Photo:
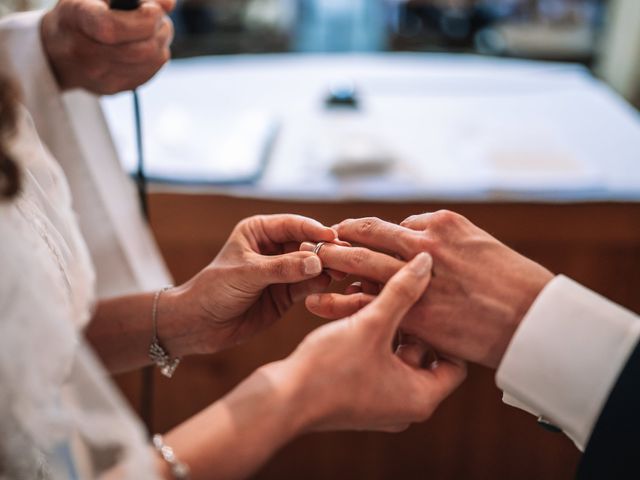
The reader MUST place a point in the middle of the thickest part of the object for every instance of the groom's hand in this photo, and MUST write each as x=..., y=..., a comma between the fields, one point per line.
x=480, y=290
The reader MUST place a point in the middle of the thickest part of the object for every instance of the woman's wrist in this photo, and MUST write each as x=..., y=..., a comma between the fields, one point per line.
x=290, y=381
x=179, y=322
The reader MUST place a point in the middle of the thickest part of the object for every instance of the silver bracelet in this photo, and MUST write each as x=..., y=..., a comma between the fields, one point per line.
x=179, y=470
x=157, y=353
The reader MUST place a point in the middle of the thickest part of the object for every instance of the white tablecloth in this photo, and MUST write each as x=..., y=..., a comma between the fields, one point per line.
x=447, y=126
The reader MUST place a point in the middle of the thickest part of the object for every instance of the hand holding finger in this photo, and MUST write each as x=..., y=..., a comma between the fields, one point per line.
x=382, y=236
x=286, y=228
x=373, y=388
x=286, y=268
x=358, y=261
x=398, y=296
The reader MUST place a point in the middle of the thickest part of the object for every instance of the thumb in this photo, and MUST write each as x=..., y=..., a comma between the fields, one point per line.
x=287, y=268
x=398, y=296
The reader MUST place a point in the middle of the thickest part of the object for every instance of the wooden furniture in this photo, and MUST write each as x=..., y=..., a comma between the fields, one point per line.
x=473, y=435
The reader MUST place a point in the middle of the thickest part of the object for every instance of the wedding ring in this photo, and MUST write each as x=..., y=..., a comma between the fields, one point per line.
x=319, y=245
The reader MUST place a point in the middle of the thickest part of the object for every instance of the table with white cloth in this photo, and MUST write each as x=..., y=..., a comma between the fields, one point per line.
x=542, y=155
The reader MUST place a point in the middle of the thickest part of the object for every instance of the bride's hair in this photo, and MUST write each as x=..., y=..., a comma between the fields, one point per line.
x=9, y=171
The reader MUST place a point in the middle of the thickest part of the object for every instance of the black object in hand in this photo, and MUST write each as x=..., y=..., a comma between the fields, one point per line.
x=124, y=4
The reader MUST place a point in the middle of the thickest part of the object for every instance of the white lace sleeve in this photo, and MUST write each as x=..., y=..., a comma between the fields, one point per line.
x=60, y=415
x=36, y=350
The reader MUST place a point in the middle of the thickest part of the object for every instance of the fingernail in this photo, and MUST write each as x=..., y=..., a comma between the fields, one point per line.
x=312, y=265
x=313, y=300
x=421, y=264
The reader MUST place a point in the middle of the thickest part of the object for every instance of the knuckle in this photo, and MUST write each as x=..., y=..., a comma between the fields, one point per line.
x=368, y=225
x=445, y=218
x=105, y=32
x=254, y=219
x=155, y=11
x=407, y=222
x=425, y=244
x=277, y=269
x=357, y=257
x=328, y=304
x=150, y=15
x=154, y=18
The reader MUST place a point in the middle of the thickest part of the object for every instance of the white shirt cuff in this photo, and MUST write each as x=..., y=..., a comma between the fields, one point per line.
x=566, y=355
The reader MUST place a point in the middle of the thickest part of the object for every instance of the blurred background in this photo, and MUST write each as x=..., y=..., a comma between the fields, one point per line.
x=519, y=114
x=595, y=33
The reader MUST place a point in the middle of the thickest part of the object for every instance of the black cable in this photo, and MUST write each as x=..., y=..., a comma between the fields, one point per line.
x=148, y=373
x=141, y=179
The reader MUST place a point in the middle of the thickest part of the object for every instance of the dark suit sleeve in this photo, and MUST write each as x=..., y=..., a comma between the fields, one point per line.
x=613, y=451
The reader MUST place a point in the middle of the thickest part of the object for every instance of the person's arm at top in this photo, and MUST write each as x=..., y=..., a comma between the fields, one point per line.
x=106, y=51
x=83, y=44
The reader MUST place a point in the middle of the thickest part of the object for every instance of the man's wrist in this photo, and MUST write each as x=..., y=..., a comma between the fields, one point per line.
x=522, y=304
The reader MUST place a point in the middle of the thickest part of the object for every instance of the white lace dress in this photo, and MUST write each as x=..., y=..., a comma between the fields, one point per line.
x=60, y=415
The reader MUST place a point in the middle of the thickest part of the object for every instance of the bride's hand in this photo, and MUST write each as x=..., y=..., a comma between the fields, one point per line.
x=342, y=376
x=254, y=280
x=346, y=375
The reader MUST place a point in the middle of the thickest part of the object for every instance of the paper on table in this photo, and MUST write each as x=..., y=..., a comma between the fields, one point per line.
x=183, y=144
x=525, y=157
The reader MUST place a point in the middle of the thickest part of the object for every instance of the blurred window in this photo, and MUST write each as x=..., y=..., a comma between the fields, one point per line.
x=545, y=29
